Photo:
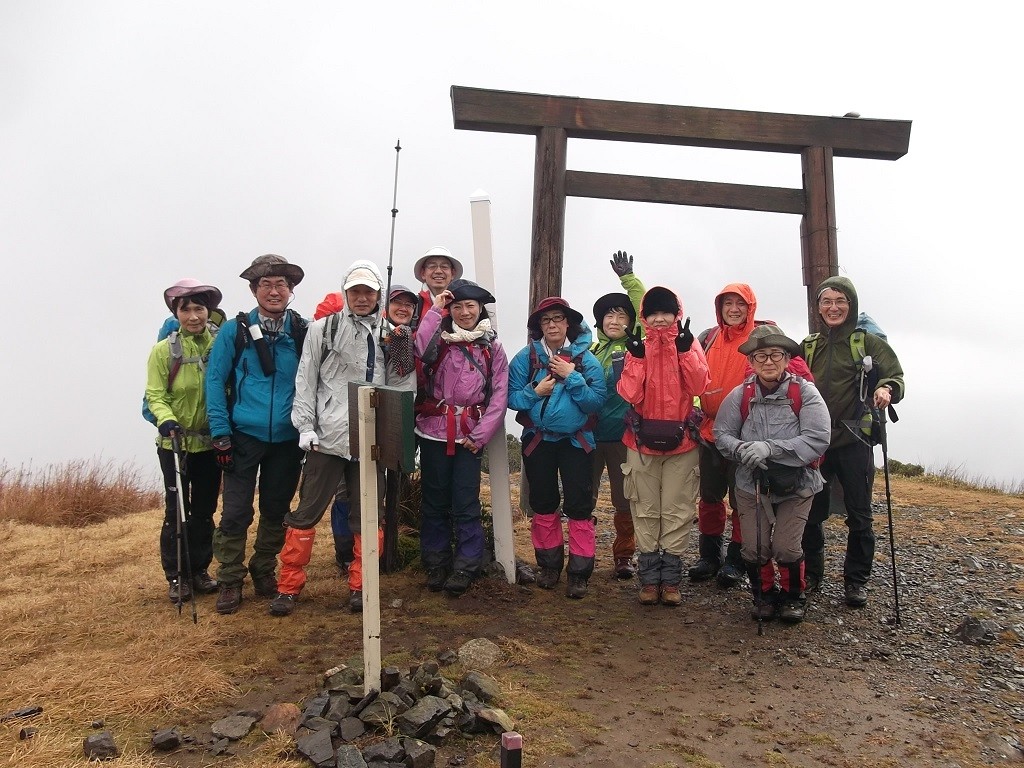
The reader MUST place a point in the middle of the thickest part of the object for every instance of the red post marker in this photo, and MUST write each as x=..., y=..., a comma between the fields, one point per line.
x=511, y=750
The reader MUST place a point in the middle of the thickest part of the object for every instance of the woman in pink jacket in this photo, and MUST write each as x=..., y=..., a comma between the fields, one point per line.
x=662, y=375
x=461, y=407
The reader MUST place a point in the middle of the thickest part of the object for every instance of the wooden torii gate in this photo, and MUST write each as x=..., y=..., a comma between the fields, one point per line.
x=555, y=119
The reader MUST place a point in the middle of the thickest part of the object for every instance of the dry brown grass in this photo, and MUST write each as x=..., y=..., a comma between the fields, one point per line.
x=76, y=493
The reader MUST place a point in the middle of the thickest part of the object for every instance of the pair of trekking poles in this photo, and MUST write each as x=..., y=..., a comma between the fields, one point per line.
x=181, y=533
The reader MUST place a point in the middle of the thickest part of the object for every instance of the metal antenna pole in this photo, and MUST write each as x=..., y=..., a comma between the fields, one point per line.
x=394, y=217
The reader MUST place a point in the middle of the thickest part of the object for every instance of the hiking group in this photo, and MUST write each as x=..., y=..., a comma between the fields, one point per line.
x=740, y=424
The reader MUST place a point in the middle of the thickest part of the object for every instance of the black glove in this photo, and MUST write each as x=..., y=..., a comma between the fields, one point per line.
x=622, y=263
x=225, y=457
x=634, y=344
x=169, y=427
x=685, y=338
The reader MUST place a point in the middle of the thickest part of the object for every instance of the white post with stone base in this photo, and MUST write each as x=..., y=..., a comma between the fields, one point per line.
x=369, y=523
x=497, y=447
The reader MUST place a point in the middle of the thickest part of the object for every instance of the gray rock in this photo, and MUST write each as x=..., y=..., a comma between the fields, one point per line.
x=233, y=727
x=499, y=721
x=27, y=732
x=321, y=724
x=220, y=747
x=1007, y=747
x=339, y=707
x=100, y=746
x=447, y=658
x=363, y=703
x=18, y=714
x=351, y=728
x=977, y=631
x=486, y=689
x=423, y=716
x=166, y=740
x=407, y=691
x=480, y=653
x=383, y=710
x=339, y=677
x=317, y=747
x=388, y=751
x=316, y=706
x=350, y=757
x=419, y=754
x=389, y=678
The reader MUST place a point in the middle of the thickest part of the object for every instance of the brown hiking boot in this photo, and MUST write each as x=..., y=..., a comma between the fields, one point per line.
x=649, y=594
x=229, y=599
x=204, y=584
x=265, y=585
x=671, y=596
x=577, y=588
x=624, y=568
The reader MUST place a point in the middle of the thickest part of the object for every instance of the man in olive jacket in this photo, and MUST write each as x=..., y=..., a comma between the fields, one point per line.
x=850, y=461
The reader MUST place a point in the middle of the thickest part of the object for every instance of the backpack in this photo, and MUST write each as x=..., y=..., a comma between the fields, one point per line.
x=523, y=417
x=243, y=337
x=176, y=357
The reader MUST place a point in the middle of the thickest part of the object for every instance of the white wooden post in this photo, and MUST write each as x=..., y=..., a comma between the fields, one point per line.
x=370, y=551
x=497, y=448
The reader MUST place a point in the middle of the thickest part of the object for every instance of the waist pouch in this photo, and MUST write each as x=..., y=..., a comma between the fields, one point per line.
x=660, y=434
x=780, y=479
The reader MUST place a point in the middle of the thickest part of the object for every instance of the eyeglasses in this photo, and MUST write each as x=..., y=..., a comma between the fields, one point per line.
x=406, y=304
x=763, y=357
x=272, y=285
x=432, y=266
x=826, y=303
x=552, y=319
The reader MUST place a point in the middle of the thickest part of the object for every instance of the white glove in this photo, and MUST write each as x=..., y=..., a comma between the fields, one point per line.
x=754, y=454
x=307, y=440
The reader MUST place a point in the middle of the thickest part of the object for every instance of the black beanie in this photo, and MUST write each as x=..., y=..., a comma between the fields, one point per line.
x=659, y=299
x=613, y=301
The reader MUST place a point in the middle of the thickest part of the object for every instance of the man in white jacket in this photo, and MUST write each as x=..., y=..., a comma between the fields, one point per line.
x=340, y=348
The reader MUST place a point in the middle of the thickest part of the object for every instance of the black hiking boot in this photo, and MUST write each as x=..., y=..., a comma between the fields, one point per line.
x=182, y=591
x=856, y=595
x=548, y=578
x=731, y=573
x=710, y=550
x=204, y=584
x=436, y=578
x=458, y=583
x=576, y=588
x=765, y=605
x=283, y=604
x=229, y=599
x=355, y=601
x=265, y=585
x=792, y=609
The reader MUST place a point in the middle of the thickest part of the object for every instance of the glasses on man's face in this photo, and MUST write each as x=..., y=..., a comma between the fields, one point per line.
x=552, y=319
x=826, y=303
x=764, y=357
x=433, y=266
x=272, y=285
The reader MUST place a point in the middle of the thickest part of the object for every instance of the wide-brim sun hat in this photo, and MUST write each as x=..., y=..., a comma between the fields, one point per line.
x=552, y=302
x=437, y=250
x=463, y=290
x=272, y=265
x=765, y=336
x=191, y=287
x=613, y=301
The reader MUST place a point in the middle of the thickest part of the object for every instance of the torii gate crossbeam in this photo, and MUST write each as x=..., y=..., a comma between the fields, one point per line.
x=555, y=119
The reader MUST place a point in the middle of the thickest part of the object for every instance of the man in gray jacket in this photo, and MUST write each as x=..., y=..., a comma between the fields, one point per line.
x=775, y=426
x=341, y=348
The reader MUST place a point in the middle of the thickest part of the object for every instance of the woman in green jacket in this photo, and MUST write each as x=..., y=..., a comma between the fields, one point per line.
x=175, y=394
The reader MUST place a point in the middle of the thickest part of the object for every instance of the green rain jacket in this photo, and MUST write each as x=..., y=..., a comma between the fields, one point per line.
x=610, y=419
x=186, y=402
x=837, y=373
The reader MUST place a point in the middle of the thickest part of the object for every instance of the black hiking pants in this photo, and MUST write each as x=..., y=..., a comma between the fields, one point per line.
x=201, y=484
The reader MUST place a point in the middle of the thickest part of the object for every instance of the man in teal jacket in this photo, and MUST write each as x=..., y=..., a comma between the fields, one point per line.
x=614, y=314
x=250, y=385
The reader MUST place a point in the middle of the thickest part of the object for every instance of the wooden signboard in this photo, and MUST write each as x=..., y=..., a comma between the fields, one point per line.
x=394, y=445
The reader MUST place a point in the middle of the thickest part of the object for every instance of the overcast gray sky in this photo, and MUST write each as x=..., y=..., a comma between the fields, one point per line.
x=142, y=142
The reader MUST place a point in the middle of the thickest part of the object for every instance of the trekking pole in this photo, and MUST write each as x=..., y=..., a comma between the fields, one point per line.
x=182, y=528
x=758, y=597
x=888, y=505
x=394, y=217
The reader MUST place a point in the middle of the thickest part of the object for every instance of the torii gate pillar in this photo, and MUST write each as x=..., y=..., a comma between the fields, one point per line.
x=555, y=119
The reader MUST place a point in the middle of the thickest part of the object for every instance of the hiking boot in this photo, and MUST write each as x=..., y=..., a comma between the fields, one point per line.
x=703, y=569
x=229, y=599
x=710, y=550
x=576, y=588
x=174, y=591
x=766, y=610
x=265, y=585
x=457, y=584
x=548, y=578
x=355, y=601
x=204, y=584
x=436, y=578
x=283, y=604
x=671, y=596
x=792, y=610
x=729, y=575
x=856, y=595
x=813, y=582
x=624, y=568
x=649, y=594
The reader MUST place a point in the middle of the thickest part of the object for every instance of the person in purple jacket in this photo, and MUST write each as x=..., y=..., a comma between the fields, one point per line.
x=459, y=410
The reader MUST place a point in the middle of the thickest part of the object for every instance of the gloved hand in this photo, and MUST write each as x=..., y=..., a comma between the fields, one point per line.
x=167, y=428
x=685, y=338
x=754, y=454
x=634, y=344
x=308, y=440
x=224, y=455
x=622, y=263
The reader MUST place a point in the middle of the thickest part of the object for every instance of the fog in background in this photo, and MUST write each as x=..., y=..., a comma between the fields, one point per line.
x=143, y=142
